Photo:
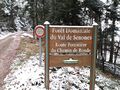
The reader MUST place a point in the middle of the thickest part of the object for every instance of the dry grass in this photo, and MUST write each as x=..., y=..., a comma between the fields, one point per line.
x=28, y=47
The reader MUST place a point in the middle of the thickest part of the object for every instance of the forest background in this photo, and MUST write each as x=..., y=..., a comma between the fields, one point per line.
x=24, y=15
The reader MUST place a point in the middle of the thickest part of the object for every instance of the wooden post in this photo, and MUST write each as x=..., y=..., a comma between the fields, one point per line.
x=47, y=56
x=93, y=63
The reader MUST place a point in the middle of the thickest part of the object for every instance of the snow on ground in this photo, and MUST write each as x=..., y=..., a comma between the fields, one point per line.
x=26, y=34
x=29, y=75
x=4, y=34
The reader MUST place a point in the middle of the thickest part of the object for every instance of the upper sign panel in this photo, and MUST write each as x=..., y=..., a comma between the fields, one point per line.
x=70, y=42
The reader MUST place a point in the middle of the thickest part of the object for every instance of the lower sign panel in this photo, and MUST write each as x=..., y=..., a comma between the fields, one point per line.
x=60, y=61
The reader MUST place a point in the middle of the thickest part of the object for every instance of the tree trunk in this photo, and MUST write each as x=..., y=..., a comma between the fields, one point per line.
x=11, y=18
x=112, y=43
x=116, y=54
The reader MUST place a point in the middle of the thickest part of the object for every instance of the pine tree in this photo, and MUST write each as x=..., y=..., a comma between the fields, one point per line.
x=95, y=12
x=113, y=16
x=2, y=14
x=64, y=12
x=11, y=13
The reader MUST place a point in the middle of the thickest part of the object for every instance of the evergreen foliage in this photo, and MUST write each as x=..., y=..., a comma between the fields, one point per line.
x=65, y=12
x=69, y=12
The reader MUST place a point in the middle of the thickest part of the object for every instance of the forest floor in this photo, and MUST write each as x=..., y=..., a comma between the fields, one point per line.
x=8, y=49
x=21, y=69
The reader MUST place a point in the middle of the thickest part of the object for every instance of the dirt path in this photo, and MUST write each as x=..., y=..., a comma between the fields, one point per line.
x=8, y=48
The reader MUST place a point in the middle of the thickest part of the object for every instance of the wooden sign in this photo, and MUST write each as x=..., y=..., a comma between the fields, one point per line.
x=70, y=46
x=68, y=43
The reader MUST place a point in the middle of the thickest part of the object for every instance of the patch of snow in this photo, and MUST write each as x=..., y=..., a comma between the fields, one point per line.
x=27, y=35
x=29, y=75
x=4, y=34
x=22, y=24
x=108, y=56
x=81, y=0
x=104, y=1
x=117, y=23
x=107, y=1
x=117, y=38
x=21, y=3
x=18, y=23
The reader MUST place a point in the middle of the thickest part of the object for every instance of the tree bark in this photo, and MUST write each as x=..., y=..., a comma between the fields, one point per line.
x=112, y=42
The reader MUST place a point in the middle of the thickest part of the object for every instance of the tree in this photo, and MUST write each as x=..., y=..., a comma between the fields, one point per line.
x=65, y=12
x=113, y=16
x=38, y=10
x=117, y=48
x=96, y=12
x=10, y=12
x=1, y=11
x=16, y=13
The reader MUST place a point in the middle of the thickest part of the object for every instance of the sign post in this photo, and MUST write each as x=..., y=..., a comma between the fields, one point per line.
x=40, y=43
x=46, y=57
x=92, y=70
x=40, y=32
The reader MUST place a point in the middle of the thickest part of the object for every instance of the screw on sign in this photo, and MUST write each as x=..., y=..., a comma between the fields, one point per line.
x=39, y=31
